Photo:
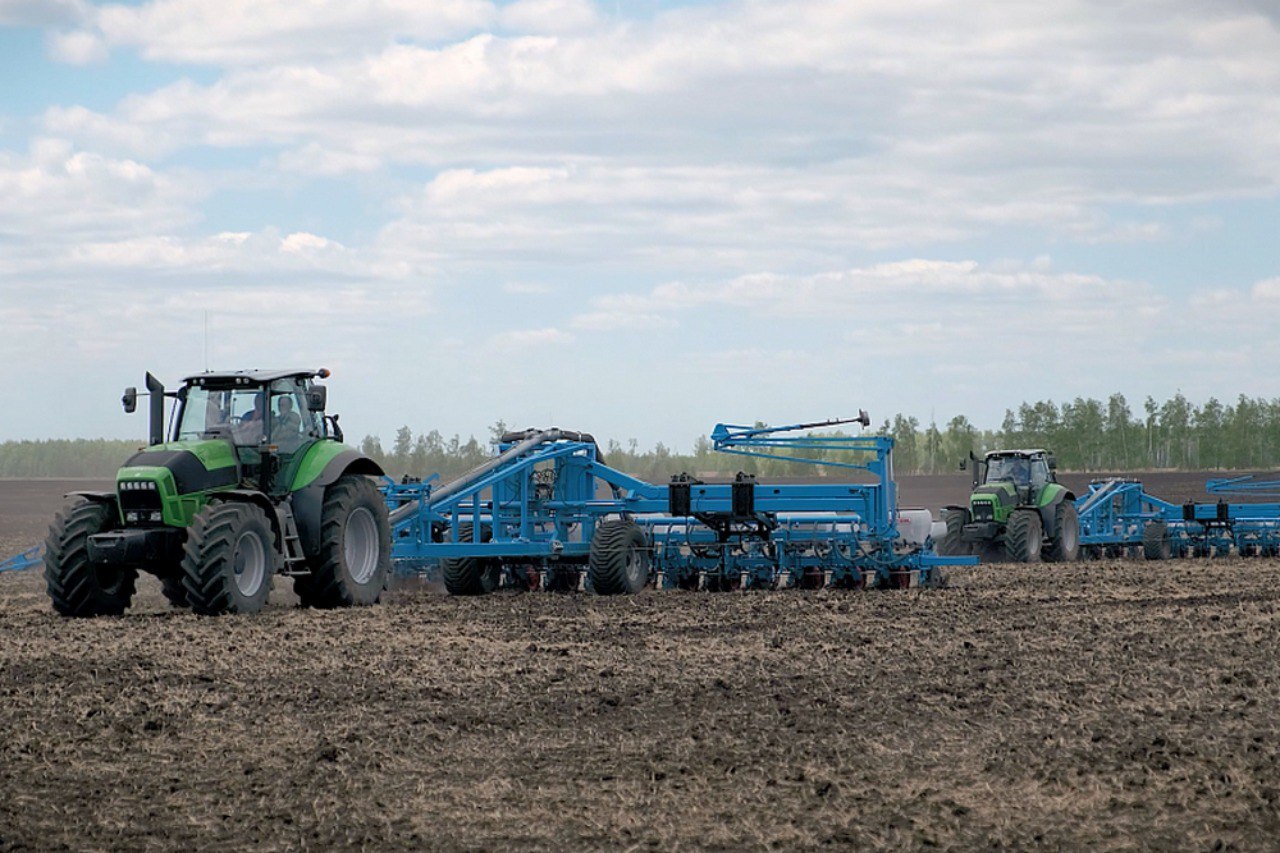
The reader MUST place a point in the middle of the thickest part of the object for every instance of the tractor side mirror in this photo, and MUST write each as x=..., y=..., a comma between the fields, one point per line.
x=130, y=400
x=317, y=398
x=964, y=465
x=1053, y=463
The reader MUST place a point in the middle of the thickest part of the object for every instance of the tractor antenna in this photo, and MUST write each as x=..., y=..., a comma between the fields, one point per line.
x=206, y=341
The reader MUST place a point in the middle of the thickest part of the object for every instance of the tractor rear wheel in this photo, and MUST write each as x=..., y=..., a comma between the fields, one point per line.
x=77, y=586
x=471, y=575
x=953, y=544
x=619, y=560
x=229, y=559
x=354, y=561
x=1024, y=536
x=1064, y=547
x=1155, y=541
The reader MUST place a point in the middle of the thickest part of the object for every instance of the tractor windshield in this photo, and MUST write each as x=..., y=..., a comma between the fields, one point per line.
x=238, y=414
x=1009, y=469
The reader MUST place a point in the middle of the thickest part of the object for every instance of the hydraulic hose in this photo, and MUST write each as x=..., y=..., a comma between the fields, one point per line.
x=524, y=442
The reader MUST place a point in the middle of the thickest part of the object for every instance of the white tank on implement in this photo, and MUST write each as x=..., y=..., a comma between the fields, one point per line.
x=916, y=525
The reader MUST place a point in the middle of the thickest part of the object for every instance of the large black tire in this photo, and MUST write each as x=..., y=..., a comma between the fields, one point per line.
x=471, y=575
x=1155, y=541
x=354, y=561
x=77, y=586
x=229, y=559
x=953, y=544
x=619, y=559
x=174, y=591
x=1024, y=536
x=1064, y=547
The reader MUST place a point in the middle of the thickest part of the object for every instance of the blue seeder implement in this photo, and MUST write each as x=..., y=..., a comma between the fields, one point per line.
x=547, y=510
x=1117, y=517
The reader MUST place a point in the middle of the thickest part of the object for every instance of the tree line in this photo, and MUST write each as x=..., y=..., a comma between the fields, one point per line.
x=1085, y=434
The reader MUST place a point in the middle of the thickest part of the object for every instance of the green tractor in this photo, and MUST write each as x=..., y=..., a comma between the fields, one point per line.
x=254, y=482
x=1018, y=511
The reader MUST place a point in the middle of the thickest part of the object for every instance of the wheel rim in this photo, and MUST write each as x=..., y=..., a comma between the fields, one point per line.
x=637, y=572
x=1070, y=537
x=361, y=546
x=249, y=563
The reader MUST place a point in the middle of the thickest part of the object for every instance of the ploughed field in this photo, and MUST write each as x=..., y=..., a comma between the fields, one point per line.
x=1107, y=703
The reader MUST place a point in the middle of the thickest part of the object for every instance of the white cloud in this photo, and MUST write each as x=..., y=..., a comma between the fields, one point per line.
x=548, y=16
x=1267, y=289
x=44, y=12
x=905, y=296
x=77, y=48
x=830, y=124
x=232, y=32
x=56, y=193
x=522, y=339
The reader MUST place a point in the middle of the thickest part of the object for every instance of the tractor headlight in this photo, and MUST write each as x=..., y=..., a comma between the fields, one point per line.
x=131, y=516
x=157, y=516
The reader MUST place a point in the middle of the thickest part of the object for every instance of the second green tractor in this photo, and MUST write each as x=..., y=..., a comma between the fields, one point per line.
x=1018, y=511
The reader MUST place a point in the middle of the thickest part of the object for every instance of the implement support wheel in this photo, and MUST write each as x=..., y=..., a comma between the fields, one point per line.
x=1155, y=541
x=471, y=575
x=619, y=560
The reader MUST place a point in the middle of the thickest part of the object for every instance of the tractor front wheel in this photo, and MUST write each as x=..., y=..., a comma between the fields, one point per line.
x=1024, y=536
x=77, y=586
x=229, y=559
x=175, y=593
x=354, y=560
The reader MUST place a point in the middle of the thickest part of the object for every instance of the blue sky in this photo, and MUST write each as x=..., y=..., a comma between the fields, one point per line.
x=638, y=219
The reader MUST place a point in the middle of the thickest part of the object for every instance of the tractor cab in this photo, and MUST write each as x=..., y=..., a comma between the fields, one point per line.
x=271, y=418
x=1028, y=471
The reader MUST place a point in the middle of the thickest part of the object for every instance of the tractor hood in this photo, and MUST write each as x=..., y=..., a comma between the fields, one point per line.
x=1005, y=494
x=196, y=466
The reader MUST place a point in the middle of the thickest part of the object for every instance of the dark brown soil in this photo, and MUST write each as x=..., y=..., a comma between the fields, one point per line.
x=1113, y=704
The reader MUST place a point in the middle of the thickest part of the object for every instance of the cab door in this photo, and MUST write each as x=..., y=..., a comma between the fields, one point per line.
x=293, y=429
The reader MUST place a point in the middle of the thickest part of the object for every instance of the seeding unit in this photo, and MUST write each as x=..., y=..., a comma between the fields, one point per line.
x=547, y=509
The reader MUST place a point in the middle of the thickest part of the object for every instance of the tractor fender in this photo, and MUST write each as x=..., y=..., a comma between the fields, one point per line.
x=108, y=498
x=308, y=502
x=260, y=500
x=1049, y=511
x=95, y=497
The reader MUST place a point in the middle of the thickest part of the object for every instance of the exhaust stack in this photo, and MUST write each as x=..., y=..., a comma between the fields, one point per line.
x=156, y=390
